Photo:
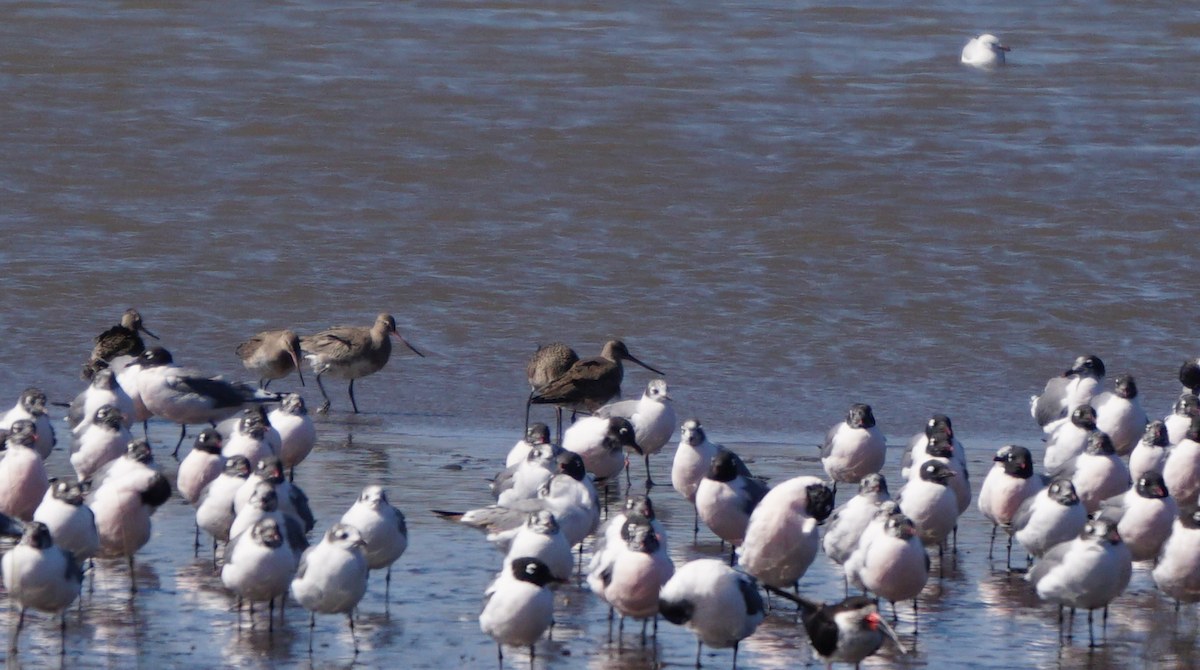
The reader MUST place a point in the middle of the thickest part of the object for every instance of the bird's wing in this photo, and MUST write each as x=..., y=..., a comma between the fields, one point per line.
x=754, y=489
x=1064, y=471
x=1049, y=561
x=246, y=349
x=504, y=480
x=294, y=533
x=1024, y=513
x=303, y=566
x=73, y=573
x=300, y=502
x=624, y=408
x=333, y=343
x=75, y=411
x=750, y=594
x=223, y=393
x=400, y=523
x=1049, y=405
x=1112, y=509
x=232, y=544
x=828, y=448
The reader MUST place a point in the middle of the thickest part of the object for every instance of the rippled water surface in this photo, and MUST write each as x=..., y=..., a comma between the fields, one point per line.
x=787, y=207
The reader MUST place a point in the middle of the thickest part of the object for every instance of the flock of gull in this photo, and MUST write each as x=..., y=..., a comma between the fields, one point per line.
x=1113, y=488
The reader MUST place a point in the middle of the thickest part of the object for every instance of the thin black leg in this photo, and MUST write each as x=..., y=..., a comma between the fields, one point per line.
x=649, y=479
x=182, y=436
x=324, y=406
x=350, y=618
x=352, y=402
x=992, y=542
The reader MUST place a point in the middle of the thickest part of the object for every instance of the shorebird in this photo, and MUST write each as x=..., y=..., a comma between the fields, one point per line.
x=546, y=365
x=1098, y=473
x=129, y=492
x=201, y=466
x=185, y=397
x=383, y=530
x=1009, y=483
x=518, y=606
x=272, y=354
x=855, y=447
x=23, y=479
x=1179, y=420
x=1150, y=454
x=535, y=435
x=297, y=434
x=652, y=417
x=332, y=577
x=720, y=605
x=847, y=523
x=693, y=458
x=726, y=497
x=31, y=406
x=1177, y=572
x=602, y=444
x=984, y=51
x=541, y=538
x=264, y=504
x=104, y=390
x=1070, y=438
x=259, y=565
x=1143, y=515
x=214, y=512
x=1119, y=413
x=120, y=340
x=101, y=442
x=930, y=503
x=782, y=538
x=589, y=384
x=1063, y=394
x=845, y=632
x=71, y=523
x=891, y=563
x=39, y=575
x=630, y=580
x=1049, y=517
x=522, y=481
x=1087, y=572
x=351, y=352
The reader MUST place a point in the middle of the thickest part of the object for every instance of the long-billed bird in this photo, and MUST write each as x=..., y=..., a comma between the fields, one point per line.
x=351, y=352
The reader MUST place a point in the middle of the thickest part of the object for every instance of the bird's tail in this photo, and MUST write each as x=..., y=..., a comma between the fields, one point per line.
x=448, y=516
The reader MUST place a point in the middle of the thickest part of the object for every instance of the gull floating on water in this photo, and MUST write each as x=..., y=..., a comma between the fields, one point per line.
x=984, y=51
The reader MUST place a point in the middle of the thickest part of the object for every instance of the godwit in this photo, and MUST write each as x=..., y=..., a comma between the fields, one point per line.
x=546, y=365
x=272, y=355
x=120, y=340
x=351, y=352
x=590, y=383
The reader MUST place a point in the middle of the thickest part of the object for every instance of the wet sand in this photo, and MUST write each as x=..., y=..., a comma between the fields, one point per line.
x=972, y=614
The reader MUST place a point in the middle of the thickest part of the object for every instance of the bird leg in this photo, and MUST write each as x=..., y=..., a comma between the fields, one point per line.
x=992, y=542
x=182, y=435
x=132, y=581
x=352, y=403
x=12, y=643
x=500, y=654
x=1091, y=636
x=699, y=644
x=350, y=618
x=387, y=584
x=696, y=524
x=735, y=648
x=644, y=623
x=1008, y=555
x=312, y=623
x=649, y=480
x=916, y=630
x=196, y=548
x=271, y=617
x=324, y=406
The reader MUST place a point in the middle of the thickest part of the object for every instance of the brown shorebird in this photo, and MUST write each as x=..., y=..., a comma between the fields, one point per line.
x=351, y=352
x=547, y=364
x=120, y=340
x=272, y=355
x=590, y=383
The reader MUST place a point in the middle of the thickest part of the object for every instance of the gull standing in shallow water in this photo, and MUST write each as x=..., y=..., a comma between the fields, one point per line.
x=297, y=434
x=518, y=606
x=1063, y=394
x=351, y=352
x=984, y=51
x=1119, y=413
x=1049, y=517
x=71, y=523
x=332, y=577
x=727, y=496
x=40, y=575
x=652, y=417
x=847, y=523
x=383, y=530
x=720, y=605
x=855, y=447
x=273, y=354
x=1087, y=572
x=104, y=390
x=782, y=538
x=1009, y=483
x=23, y=479
x=1178, y=570
x=259, y=566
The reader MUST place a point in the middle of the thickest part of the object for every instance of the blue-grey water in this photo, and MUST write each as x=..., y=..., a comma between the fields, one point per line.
x=786, y=206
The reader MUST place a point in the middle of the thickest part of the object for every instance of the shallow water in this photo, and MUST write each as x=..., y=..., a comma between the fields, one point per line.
x=788, y=207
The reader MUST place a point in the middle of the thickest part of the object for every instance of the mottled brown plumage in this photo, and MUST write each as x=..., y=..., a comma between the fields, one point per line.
x=272, y=355
x=351, y=352
x=549, y=363
x=589, y=383
x=120, y=340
